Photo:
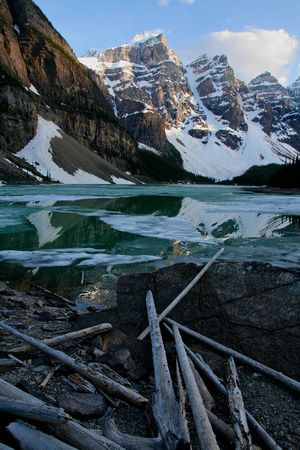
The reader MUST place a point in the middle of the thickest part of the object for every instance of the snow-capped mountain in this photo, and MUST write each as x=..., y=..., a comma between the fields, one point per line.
x=220, y=125
x=147, y=86
x=294, y=91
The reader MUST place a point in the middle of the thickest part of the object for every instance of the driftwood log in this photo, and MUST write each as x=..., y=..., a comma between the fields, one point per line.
x=260, y=431
x=42, y=413
x=5, y=447
x=183, y=293
x=102, y=382
x=207, y=398
x=30, y=438
x=71, y=431
x=166, y=410
x=278, y=376
x=130, y=442
x=182, y=396
x=237, y=408
x=81, y=334
x=206, y=435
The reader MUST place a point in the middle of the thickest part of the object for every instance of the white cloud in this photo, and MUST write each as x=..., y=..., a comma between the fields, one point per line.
x=250, y=52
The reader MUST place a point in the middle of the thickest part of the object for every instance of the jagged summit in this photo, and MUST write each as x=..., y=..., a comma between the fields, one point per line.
x=218, y=88
x=147, y=86
x=146, y=48
x=143, y=37
x=267, y=87
x=92, y=53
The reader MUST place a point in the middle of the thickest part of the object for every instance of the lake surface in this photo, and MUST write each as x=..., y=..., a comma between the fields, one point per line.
x=77, y=240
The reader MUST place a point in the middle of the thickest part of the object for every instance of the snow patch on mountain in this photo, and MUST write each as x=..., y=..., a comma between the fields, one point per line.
x=38, y=152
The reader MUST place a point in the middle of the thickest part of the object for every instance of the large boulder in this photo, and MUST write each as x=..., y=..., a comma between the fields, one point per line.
x=249, y=306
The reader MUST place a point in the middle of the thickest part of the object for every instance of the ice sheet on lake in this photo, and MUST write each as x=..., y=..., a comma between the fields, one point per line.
x=69, y=256
x=161, y=227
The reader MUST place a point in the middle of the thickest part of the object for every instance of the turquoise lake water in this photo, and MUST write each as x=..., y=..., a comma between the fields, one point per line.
x=77, y=240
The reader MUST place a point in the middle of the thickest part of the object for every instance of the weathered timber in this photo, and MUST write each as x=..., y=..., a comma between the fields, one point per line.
x=206, y=435
x=182, y=397
x=221, y=428
x=19, y=361
x=130, y=442
x=284, y=379
x=42, y=413
x=205, y=394
x=237, y=408
x=48, y=378
x=169, y=420
x=81, y=334
x=183, y=293
x=5, y=447
x=260, y=431
x=30, y=438
x=71, y=431
x=101, y=381
x=80, y=384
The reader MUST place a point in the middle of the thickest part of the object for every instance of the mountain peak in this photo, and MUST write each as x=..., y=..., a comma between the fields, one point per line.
x=267, y=87
x=92, y=53
x=265, y=77
x=145, y=36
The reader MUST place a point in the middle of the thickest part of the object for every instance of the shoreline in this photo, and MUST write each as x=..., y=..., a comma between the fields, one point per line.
x=272, y=190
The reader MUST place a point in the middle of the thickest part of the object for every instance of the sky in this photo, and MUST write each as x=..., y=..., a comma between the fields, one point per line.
x=256, y=35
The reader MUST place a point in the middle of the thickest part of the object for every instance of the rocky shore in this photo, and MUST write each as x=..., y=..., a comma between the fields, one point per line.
x=251, y=307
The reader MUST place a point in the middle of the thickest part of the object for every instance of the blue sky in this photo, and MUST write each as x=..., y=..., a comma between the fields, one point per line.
x=256, y=35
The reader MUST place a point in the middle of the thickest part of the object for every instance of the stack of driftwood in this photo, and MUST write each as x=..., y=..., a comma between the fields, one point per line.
x=39, y=425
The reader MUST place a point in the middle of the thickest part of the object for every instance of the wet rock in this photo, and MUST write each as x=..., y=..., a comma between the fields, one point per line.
x=119, y=350
x=83, y=406
x=35, y=392
x=44, y=316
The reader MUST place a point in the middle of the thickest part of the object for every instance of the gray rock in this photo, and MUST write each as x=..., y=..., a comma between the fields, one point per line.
x=251, y=307
x=82, y=405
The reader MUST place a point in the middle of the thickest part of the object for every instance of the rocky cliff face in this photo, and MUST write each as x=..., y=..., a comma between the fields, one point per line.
x=219, y=124
x=273, y=108
x=41, y=75
x=218, y=89
x=147, y=86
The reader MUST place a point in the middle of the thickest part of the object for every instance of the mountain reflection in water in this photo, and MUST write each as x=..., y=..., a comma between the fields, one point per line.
x=59, y=236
